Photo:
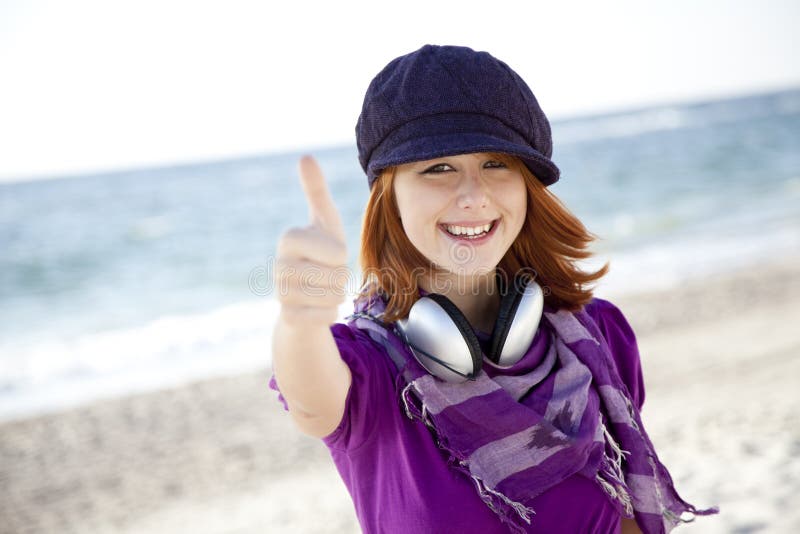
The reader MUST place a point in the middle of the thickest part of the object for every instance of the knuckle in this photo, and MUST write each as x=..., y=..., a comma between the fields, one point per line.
x=284, y=268
x=291, y=239
x=289, y=235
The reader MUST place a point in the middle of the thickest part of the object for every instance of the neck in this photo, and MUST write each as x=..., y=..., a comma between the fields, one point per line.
x=476, y=297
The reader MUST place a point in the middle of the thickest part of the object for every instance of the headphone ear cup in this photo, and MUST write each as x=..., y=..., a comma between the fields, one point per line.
x=505, y=318
x=463, y=326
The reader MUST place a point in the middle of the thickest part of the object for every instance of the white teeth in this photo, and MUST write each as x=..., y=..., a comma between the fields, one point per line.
x=469, y=231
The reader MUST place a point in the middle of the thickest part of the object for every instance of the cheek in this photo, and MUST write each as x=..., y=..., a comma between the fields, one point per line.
x=405, y=207
x=418, y=220
x=517, y=202
x=418, y=208
x=523, y=204
x=411, y=216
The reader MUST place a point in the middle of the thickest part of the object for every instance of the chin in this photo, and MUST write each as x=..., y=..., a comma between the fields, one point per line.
x=470, y=271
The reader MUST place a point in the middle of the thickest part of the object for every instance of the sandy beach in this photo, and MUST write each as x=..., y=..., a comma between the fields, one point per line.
x=721, y=358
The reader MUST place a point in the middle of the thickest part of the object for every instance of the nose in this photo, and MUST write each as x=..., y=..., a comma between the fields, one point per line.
x=472, y=191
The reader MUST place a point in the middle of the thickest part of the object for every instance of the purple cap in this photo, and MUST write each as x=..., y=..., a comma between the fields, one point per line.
x=449, y=100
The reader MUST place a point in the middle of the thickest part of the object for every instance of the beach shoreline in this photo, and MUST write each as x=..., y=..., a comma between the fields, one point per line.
x=720, y=362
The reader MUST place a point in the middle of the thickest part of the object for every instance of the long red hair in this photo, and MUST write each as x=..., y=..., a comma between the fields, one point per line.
x=548, y=246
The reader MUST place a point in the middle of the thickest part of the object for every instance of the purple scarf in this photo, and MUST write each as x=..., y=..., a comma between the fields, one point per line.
x=517, y=436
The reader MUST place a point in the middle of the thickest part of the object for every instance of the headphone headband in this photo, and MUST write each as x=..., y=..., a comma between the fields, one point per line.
x=444, y=343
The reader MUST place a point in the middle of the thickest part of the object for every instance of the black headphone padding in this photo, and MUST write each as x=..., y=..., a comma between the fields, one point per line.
x=464, y=327
x=505, y=315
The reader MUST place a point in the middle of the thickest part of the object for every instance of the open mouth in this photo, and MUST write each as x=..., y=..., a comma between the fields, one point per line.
x=470, y=233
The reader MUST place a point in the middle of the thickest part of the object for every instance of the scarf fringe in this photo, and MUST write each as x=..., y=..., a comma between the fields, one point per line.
x=493, y=498
x=617, y=492
x=617, y=453
x=610, y=476
x=672, y=517
x=408, y=404
x=486, y=493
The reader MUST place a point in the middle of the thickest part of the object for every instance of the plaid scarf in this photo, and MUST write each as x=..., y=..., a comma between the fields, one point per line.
x=571, y=414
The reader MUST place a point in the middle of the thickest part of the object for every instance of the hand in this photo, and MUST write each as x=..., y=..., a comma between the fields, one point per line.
x=310, y=269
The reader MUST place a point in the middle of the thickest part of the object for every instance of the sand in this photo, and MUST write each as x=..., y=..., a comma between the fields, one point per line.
x=721, y=358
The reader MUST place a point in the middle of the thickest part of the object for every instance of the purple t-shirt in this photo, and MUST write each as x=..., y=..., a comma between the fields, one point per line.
x=398, y=477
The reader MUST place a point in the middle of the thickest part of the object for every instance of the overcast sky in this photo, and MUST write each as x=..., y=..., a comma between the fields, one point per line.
x=96, y=85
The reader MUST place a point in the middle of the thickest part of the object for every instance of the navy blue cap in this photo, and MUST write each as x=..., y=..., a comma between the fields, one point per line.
x=448, y=100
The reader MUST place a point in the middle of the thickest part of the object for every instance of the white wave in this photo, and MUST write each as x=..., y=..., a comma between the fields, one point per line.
x=151, y=228
x=624, y=125
x=662, y=118
x=669, y=263
x=170, y=350
x=53, y=374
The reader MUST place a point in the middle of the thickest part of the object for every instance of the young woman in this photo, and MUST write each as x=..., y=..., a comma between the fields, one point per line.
x=478, y=386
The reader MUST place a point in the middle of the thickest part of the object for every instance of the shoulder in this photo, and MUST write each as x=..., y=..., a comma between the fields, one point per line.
x=359, y=351
x=610, y=318
x=621, y=339
x=371, y=387
x=346, y=336
x=354, y=343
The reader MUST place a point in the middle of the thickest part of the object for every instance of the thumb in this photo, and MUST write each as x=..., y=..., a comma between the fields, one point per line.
x=321, y=208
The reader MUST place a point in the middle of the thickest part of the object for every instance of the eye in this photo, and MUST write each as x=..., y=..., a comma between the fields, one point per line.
x=438, y=168
x=495, y=165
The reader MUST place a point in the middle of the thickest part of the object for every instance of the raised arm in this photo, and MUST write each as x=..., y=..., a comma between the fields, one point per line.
x=310, y=276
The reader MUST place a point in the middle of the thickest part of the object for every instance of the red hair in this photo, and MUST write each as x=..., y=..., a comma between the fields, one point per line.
x=548, y=246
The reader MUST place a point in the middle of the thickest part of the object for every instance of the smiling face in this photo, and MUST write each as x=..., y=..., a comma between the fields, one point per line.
x=461, y=212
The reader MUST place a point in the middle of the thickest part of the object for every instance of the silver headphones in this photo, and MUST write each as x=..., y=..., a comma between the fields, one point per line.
x=444, y=343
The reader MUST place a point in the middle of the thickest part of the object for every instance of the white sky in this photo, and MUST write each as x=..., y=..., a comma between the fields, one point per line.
x=97, y=85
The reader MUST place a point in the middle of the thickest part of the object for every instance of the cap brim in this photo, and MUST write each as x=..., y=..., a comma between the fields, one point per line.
x=453, y=144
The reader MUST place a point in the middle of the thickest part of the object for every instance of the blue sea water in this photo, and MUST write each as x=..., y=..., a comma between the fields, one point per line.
x=128, y=281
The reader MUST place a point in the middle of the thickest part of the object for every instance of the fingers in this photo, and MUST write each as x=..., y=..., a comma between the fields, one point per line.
x=310, y=300
x=311, y=272
x=312, y=244
x=322, y=210
x=308, y=293
x=312, y=280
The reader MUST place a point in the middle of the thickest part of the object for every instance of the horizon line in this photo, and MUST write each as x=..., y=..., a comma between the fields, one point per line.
x=337, y=145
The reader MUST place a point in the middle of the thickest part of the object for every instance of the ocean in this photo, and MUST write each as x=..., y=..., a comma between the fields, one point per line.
x=128, y=281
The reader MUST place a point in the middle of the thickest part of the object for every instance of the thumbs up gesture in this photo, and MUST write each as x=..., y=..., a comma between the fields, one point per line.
x=311, y=265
